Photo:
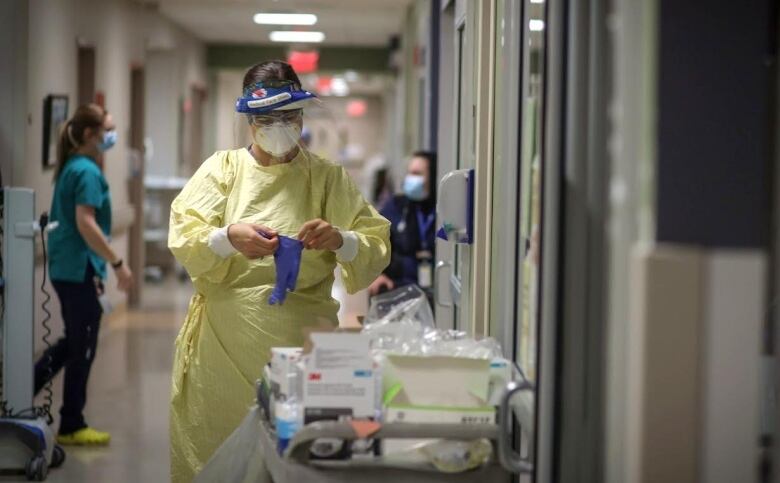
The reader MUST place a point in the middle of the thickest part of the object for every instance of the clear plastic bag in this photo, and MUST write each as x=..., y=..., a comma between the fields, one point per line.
x=401, y=322
x=450, y=456
x=409, y=302
x=446, y=455
x=397, y=320
x=239, y=459
x=458, y=344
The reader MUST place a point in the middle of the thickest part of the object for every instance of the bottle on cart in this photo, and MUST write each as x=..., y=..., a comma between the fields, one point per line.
x=287, y=422
x=288, y=415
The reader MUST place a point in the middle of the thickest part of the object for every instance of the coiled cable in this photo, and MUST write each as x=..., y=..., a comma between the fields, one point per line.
x=43, y=411
x=46, y=409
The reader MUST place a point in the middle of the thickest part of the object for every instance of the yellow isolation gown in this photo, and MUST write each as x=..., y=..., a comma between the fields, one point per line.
x=230, y=327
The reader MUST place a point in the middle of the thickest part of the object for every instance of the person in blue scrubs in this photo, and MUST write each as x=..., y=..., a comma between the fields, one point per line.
x=78, y=251
x=412, y=215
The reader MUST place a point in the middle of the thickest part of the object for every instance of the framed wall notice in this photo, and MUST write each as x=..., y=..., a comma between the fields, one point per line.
x=55, y=113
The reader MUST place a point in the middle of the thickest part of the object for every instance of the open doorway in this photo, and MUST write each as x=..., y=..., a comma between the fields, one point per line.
x=86, y=74
x=136, y=182
x=192, y=145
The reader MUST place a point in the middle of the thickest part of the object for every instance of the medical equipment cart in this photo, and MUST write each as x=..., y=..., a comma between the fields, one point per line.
x=295, y=465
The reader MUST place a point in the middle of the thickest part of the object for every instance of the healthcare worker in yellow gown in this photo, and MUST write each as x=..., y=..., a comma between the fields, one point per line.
x=224, y=230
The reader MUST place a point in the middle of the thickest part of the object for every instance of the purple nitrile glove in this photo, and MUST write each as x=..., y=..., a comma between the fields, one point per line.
x=288, y=264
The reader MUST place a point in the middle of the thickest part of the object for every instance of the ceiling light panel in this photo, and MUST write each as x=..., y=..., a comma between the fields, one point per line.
x=287, y=36
x=285, y=19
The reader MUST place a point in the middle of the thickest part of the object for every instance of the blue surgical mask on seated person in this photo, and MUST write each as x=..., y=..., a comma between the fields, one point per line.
x=109, y=139
x=414, y=187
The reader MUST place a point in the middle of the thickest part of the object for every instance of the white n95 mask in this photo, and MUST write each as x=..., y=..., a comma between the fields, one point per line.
x=278, y=139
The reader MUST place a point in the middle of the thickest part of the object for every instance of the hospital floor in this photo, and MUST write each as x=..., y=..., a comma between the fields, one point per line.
x=130, y=387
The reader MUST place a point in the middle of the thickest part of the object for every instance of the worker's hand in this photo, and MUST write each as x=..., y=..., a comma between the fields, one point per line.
x=247, y=239
x=320, y=235
x=382, y=281
x=124, y=278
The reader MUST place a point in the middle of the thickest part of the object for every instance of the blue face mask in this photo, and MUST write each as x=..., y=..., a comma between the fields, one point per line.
x=109, y=139
x=414, y=187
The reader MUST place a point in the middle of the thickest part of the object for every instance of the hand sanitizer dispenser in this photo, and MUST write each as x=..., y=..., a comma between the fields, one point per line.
x=455, y=206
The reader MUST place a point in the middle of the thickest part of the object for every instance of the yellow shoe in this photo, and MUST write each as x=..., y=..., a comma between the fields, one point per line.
x=85, y=437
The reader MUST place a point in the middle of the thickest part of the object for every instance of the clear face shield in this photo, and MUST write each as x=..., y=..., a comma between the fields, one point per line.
x=274, y=122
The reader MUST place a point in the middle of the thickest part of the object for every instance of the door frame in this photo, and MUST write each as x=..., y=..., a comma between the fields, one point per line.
x=552, y=149
x=583, y=273
x=505, y=239
x=774, y=264
x=483, y=127
x=447, y=123
x=452, y=272
x=460, y=281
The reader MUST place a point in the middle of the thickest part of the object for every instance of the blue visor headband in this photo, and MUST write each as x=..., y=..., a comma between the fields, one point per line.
x=260, y=99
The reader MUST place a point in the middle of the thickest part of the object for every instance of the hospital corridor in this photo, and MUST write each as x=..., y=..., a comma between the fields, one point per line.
x=429, y=241
x=131, y=389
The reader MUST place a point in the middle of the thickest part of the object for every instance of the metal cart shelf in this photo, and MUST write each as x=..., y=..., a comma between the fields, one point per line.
x=250, y=453
x=295, y=465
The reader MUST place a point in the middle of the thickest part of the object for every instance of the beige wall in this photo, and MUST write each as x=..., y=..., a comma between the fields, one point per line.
x=409, y=116
x=228, y=88
x=693, y=360
x=122, y=33
x=175, y=63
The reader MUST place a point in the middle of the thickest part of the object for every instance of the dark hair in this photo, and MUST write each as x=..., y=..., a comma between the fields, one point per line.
x=432, y=172
x=72, y=134
x=271, y=70
x=382, y=182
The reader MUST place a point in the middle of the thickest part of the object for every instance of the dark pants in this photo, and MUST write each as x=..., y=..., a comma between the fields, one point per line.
x=81, y=312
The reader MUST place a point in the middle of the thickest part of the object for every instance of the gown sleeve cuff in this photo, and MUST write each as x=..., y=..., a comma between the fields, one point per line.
x=349, y=248
x=219, y=243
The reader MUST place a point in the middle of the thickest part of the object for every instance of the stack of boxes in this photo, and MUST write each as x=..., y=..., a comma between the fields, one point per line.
x=336, y=378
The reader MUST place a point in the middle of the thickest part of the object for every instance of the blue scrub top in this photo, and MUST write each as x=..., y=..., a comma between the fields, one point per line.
x=80, y=183
x=406, y=237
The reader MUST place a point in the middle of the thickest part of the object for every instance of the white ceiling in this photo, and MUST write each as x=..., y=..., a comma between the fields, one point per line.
x=344, y=22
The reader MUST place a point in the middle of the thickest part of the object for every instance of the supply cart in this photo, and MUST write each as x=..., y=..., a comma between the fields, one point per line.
x=255, y=442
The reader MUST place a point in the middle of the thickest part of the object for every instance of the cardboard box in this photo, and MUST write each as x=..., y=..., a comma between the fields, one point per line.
x=339, y=375
x=436, y=381
x=308, y=331
x=439, y=389
x=417, y=414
